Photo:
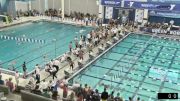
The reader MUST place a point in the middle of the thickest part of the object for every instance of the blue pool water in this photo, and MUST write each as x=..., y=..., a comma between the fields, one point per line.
x=142, y=75
x=15, y=52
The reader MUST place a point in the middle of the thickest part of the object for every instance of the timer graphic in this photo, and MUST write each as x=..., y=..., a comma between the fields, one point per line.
x=167, y=95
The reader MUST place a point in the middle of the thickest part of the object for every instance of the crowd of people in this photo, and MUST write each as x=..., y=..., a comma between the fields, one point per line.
x=157, y=25
x=81, y=45
x=87, y=94
x=77, y=48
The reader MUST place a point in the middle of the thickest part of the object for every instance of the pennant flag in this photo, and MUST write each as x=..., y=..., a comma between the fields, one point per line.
x=12, y=38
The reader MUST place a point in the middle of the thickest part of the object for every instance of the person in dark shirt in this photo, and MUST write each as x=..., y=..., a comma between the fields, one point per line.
x=111, y=97
x=130, y=99
x=104, y=95
x=138, y=99
x=1, y=81
x=96, y=96
x=118, y=98
x=24, y=69
x=36, y=90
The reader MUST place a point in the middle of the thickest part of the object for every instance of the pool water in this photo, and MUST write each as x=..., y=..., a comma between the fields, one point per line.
x=136, y=67
x=55, y=35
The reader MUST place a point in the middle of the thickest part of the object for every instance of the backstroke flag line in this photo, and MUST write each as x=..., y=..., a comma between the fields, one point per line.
x=22, y=39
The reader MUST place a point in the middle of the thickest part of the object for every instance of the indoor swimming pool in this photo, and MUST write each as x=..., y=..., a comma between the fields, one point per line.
x=136, y=67
x=36, y=43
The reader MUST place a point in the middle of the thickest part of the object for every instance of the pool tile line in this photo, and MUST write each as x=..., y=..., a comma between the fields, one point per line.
x=152, y=45
x=143, y=55
x=142, y=70
x=147, y=72
x=162, y=84
x=134, y=64
x=157, y=37
x=115, y=64
x=118, y=75
x=142, y=40
x=129, y=85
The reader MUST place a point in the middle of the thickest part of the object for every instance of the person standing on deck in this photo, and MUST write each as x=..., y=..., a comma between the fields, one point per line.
x=24, y=69
x=70, y=47
x=71, y=63
x=76, y=41
x=37, y=72
x=17, y=78
x=104, y=95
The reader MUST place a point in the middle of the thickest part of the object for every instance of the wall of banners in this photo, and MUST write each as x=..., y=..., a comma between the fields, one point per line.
x=152, y=6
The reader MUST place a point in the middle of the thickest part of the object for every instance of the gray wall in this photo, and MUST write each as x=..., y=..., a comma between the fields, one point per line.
x=40, y=6
x=84, y=6
x=21, y=6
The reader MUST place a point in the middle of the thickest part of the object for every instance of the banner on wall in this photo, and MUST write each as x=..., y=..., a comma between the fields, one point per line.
x=161, y=31
x=164, y=14
x=139, y=15
x=109, y=13
x=116, y=3
x=152, y=6
x=165, y=1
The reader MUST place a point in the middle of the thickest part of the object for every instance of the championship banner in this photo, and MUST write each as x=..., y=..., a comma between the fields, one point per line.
x=114, y=3
x=160, y=31
x=152, y=6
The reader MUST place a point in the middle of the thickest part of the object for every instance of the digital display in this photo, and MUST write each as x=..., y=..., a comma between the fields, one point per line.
x=167, y=95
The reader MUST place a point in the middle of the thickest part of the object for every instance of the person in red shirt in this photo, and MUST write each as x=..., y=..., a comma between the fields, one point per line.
x=80, y=97
x=10, y=85
x=65, y=91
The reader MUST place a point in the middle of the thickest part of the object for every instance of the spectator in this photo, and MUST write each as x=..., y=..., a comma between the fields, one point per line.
x=56, y=64
x=70, y=47
x=65, y=91
x=104, y=95
x=111, y=97
x=17, y=78
x=53, y=72
x=96, y=96
x=50, y=85
x=24, y=69
x=85, y=91
x=45, y=93
x=130, y=99
x=43, y=85
x=30, y=86
x=118, y=98
x=10, y=84
x=80, y=97
x=71, y=97
x=138, y=99
x=1, y=81
x=54, y=95
x=79, y=90
x=48, y=68
x=36, y=90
